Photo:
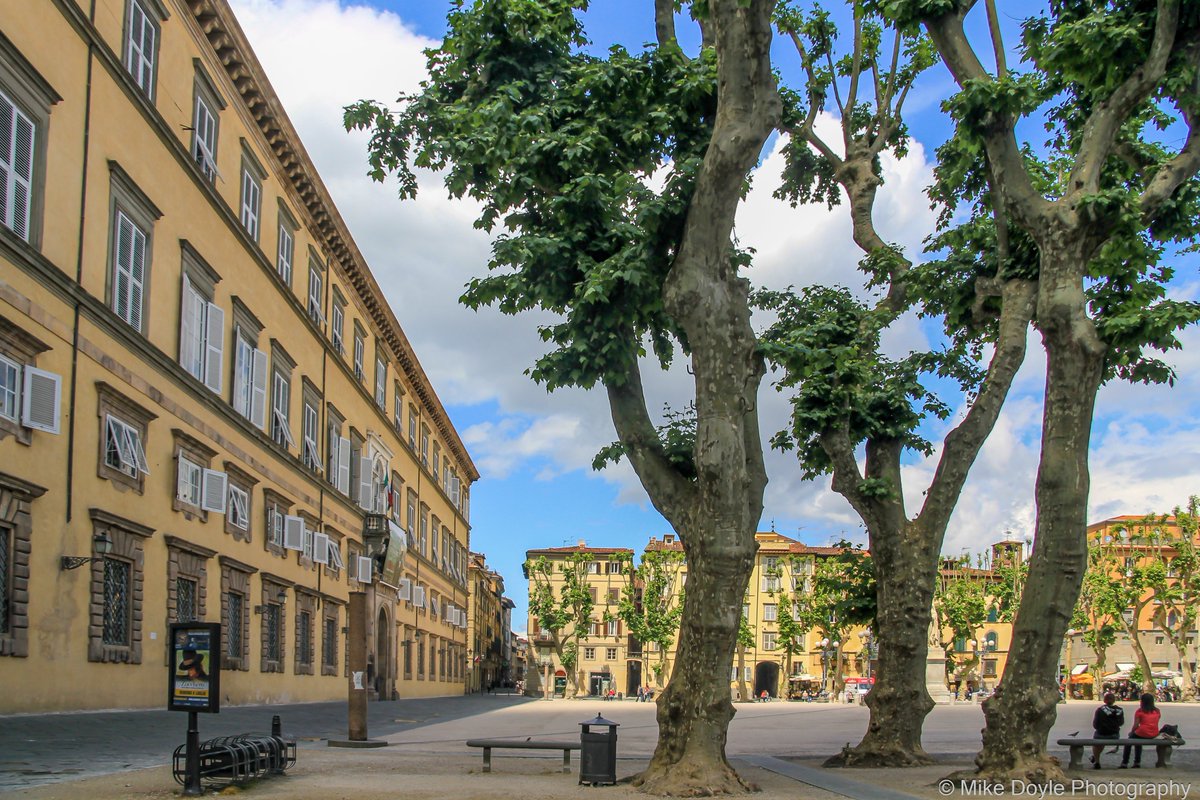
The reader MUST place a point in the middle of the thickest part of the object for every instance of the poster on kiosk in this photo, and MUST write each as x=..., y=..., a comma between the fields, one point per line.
x=194, y=680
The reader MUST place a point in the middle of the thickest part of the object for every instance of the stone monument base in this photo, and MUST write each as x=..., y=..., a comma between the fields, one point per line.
x=935, y=676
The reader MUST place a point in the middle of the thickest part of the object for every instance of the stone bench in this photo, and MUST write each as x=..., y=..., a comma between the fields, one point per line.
x=517, y=744
x=1163, y=746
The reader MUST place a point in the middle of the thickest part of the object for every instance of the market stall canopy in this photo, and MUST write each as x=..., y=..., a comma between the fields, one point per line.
x=1082, y=678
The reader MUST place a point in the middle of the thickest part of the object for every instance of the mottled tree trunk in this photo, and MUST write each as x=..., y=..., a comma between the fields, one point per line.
x=1139, y=649
x=1023, y=709
x=695, y=709
x=717, y=513
x=898, y=701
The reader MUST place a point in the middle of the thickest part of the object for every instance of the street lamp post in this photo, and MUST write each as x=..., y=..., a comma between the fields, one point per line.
x=868, y=646
x=828, y=652
x=981, y=649
x=824, y=645
x=1067, y=665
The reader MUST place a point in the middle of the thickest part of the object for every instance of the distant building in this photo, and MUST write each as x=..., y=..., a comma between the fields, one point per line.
x=604, y=662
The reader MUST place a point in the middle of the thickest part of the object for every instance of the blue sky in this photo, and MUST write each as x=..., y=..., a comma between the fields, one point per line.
x=534, y=449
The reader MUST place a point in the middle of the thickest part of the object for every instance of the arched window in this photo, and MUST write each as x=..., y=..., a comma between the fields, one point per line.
x=993, y=615
x=991, y=641
x=379, y=478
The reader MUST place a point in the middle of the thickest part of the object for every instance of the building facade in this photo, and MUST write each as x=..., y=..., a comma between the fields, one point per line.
x=783, y=569
x=1133, y=543
x=604, y=660
x=485, y=626
x=204, y=397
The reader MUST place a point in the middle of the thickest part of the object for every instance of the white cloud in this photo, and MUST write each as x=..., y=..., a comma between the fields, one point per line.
x=321, y=56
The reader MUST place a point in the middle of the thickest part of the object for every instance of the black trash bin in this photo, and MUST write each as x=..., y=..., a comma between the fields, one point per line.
x=598, y=752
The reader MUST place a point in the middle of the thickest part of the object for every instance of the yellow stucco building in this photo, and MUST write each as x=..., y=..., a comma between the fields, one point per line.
x=485, y=625
x=204, y=396
x=605, y=661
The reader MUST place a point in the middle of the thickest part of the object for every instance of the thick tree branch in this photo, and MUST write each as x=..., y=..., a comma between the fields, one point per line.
x=883, y=464
x=1173, y=174
x=999, y=134
x=664, y=21
x=855, y=68
x=1106, y=119
x=814, y=99
x=846, y=476
x=962, y=444
x=889, y=92
x=670, y=492
x=997, y=39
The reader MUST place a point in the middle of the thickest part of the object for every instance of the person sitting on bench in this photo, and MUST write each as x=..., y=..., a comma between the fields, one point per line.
x=1106, y=723
x=1145, y=726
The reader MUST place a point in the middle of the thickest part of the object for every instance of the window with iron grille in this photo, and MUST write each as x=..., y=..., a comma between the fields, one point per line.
x=271, y=620
x=304, y=651
x=420, y=659
x=329, y=643
x=5, y=560
x=185, y=600
x=235, y=613
x=116, y=601
x=407, y=658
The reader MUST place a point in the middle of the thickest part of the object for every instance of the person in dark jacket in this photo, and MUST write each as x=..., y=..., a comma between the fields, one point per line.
x=1106, y=724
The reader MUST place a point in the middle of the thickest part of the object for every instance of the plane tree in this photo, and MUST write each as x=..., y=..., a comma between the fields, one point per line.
x=1105, y=196
x=651, y=606
x=611, y=181
x=846, y=392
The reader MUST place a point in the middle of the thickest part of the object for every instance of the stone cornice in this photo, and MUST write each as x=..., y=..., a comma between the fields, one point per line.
x=219, y=25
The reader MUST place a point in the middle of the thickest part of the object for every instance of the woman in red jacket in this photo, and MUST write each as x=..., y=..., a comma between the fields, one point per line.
x=1145, y=726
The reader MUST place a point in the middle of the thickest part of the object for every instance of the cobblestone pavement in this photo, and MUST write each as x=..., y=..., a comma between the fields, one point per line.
x=40, y=749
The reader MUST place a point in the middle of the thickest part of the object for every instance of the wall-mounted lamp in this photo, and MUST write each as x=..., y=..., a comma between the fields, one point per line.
x=280, y=598
x=101, y=543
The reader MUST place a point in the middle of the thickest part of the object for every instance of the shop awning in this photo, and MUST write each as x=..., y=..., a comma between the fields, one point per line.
x=804, y=677
x=1122, y=667
x=1082, y=677
x=1079, y=668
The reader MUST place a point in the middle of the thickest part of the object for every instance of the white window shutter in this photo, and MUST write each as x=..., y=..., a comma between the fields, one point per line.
x=405, y=591
x=320, y=548
x=335, y=555
x=258, y=398
x=343, y=465
x=419, y=596
x=189, y=326
x=239, y=380
x=214, y=348
x=293, y=533
x=41, y=400
x=213, y=490
x=364, y=569
x=134, y=443
x=366, y=487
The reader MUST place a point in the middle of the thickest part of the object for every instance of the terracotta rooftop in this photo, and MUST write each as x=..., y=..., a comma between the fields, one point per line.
x=599, y=551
